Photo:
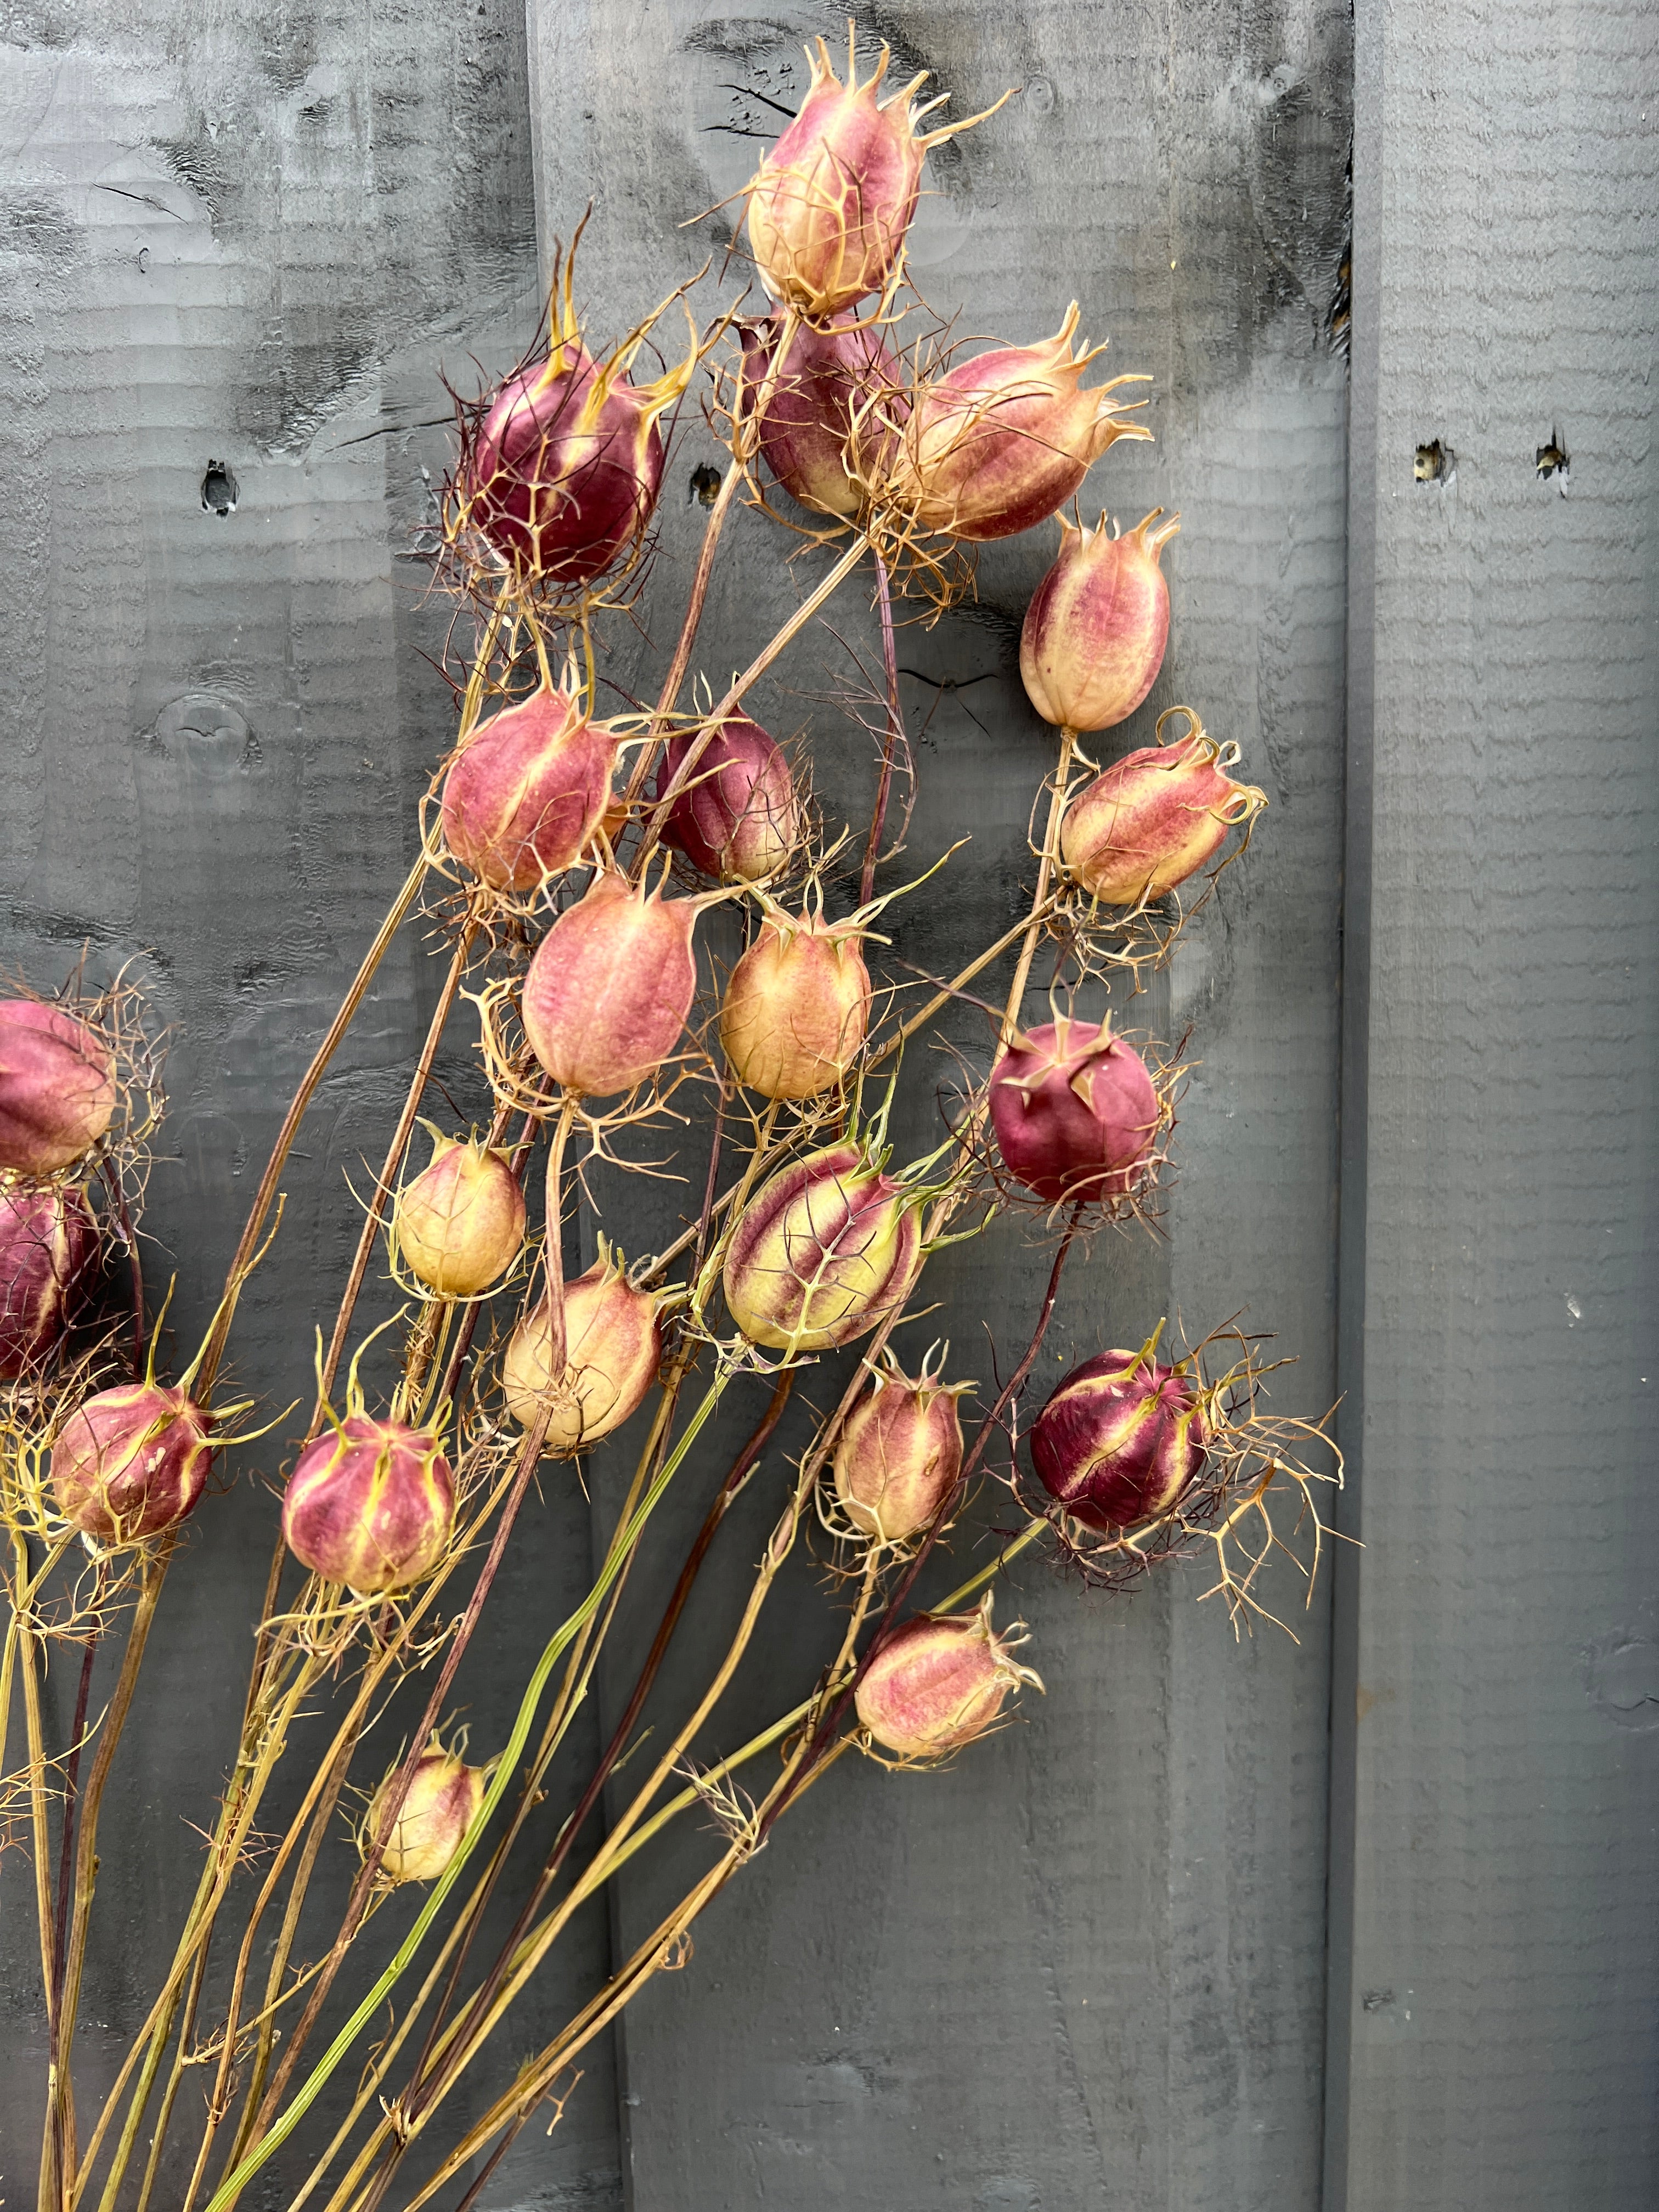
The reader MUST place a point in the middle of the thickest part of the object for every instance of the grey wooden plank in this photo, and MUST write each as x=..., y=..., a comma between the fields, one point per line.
x=252, y=235
x=1085, y=1966
x=1492, y=2033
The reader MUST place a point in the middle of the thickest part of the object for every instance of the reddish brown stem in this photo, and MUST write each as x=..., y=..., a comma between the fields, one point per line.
x=492, y=2162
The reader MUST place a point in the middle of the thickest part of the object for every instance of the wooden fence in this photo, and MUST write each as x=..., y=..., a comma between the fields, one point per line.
x=1364, y=1920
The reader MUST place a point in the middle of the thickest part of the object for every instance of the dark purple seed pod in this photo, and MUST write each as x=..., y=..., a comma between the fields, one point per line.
x=1122, y=1439
x=1075, y=1111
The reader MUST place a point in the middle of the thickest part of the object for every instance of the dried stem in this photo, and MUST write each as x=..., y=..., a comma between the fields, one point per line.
x=746, y=438
x=399, y=912
x=894, y=732
x=830, y=1724
x=386, y=1182
x=1040, y=901
x=824, y=591
x=71, y=1776
x=61, y=2102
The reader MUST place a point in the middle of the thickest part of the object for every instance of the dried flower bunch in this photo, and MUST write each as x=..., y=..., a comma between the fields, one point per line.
x=567, y=863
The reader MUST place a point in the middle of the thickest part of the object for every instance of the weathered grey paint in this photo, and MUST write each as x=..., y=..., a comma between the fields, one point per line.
x=1085, y=1966
x=253, y=236
x=1496, y=1705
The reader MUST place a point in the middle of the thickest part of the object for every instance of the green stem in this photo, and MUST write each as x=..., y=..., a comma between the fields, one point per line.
x=237, y=2180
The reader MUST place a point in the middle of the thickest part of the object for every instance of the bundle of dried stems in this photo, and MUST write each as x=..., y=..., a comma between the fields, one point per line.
x=566, y=861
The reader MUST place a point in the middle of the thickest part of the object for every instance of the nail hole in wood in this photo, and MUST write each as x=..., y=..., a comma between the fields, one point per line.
x=219, y=489
x=1554, y=459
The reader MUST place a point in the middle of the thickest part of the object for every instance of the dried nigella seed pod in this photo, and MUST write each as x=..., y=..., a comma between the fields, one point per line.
x=607, y=995
x=1154, y=818
x=735, y=816
x=459, y=1224
x=48, y=1253
x=823, y=1252
x=900, y=1452
x=1003, y=440
x=370, y=1504
x=797, y=1007
x=939, y=1682
x=1122, y=1439
x=829, y=424
x=562, y=471
x=1096, y=629
x=829, y=205
x=528, y=790
x=612, y=1350
x=440, y=1806
x=132, y=1462
x=1075, y=1112
x=57, y=1088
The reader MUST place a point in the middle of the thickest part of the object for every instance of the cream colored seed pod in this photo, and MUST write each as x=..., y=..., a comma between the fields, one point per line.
x=900, y=1452
x=613, y=1347
x=459, y=1224
x=797, y=1008
x=440, y=1806
x=940, y=1681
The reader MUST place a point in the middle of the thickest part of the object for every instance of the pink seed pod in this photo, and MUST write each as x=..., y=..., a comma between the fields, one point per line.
x=829, y=205
x=48, y=1253
x=735, y=816
x=440, y=1806
x=370, y=1504
x=613, y=1348
x=1003, y=440
x=797, y=1007
x=459, y=1224
x=132, y=1462
x=528, y=791
x=828, y=426
x=607, y=995
x=939, y=1682
x=823, y=1252
x=1154, y=818
x=1122, y=1440
x=1075, y=1112
x=1097, y=625
x=900, y=1452
x=57, y=1087
x=565, y=468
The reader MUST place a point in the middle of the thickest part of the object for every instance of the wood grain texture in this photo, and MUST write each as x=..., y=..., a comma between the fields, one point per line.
x=1086, y=1965
x=254, y=236
x=1497, y=1698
